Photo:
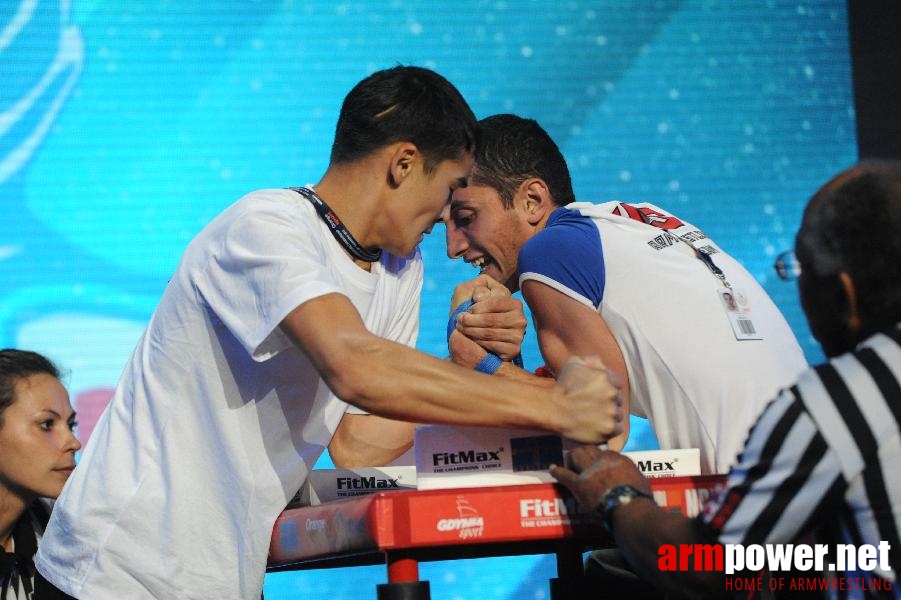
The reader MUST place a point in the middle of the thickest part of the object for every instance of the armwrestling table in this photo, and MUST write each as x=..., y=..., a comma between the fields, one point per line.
x=403, y=528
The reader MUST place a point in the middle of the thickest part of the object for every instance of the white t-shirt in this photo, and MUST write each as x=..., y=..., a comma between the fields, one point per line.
x=689, y=375
x=218, y=417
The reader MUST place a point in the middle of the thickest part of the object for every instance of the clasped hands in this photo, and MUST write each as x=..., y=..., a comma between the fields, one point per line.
x=590, y=402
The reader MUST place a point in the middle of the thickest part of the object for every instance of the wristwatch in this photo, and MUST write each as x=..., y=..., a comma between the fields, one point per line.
x=616, y=497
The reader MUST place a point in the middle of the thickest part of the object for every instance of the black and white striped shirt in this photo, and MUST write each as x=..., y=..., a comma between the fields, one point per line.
x=824, y=458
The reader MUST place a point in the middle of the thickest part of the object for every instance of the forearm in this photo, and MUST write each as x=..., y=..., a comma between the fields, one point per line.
x=370, y=440
x=511, y=371
x=397, y=382
x=468, y=355
x=642, y=528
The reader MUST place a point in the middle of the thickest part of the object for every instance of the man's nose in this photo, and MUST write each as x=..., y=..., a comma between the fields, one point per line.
x=456, y=241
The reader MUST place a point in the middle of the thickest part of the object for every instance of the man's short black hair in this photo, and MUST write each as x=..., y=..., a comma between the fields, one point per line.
x=514, y=149
x=16, y=365
x=410, y=104
x=852, y=224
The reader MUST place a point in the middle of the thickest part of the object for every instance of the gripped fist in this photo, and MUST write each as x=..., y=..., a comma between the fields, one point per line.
x=464, y=351
x=592, y=404
x=592, y=472
x=496, y=321
x=476, y=289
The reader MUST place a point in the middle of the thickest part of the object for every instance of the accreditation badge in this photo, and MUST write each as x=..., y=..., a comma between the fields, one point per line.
x=738, y=310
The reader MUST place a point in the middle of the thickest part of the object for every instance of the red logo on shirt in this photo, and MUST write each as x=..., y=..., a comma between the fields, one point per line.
x=648, y=215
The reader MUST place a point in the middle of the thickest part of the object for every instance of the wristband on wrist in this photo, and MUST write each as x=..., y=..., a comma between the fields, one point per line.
x=489, y=364
x=616, y=497
x=452, y=322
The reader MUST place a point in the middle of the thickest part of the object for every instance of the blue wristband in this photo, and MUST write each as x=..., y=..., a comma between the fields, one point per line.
x=452, y=322
x=489, y=364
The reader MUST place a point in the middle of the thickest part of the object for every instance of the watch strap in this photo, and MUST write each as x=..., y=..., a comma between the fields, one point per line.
x=614, y=498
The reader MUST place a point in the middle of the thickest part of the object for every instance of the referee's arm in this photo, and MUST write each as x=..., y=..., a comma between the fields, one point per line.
x=641, y=528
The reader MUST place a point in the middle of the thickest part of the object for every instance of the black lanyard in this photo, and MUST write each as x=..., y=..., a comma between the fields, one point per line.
x=337, y=228
x=707, y=260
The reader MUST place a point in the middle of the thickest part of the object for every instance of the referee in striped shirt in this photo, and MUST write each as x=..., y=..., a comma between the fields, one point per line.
x=823, y=462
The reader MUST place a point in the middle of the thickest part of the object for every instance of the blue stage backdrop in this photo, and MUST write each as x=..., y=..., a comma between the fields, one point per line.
x=126, y=125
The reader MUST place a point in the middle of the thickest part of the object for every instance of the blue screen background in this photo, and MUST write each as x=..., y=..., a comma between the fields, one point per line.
x=125, y=126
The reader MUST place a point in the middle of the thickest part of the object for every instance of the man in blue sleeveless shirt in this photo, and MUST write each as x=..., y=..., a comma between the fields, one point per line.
x=699, y=345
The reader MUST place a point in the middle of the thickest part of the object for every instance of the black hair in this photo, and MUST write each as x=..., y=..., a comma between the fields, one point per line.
x=514, y=149
x=851, y=224
x=405, y=104
x=16, y=365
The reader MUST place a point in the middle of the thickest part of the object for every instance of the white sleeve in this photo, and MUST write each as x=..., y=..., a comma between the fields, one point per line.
x=405, y=325
x=268, y=262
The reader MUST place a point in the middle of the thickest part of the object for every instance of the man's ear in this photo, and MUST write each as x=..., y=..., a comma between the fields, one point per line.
x=404, y=157
x=536, y=199
x=853, y=316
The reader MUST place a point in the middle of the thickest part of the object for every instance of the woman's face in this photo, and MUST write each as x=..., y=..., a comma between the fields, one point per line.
x=37, y=443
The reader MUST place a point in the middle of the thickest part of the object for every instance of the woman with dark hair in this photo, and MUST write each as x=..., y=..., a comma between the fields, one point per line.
x=37, y=455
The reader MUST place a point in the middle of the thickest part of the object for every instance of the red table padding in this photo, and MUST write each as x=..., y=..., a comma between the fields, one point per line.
x=462, y=518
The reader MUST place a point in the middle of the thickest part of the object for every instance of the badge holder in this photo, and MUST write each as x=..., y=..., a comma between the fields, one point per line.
x=738, y=311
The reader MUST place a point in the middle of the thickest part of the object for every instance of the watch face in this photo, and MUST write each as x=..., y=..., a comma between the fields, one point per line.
x=618, y=496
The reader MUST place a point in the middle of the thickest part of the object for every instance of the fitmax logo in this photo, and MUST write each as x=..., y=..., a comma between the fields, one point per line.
x=537, y=507
x=553, y=512
x=656, y=466
x=366, y=483
x=464, y=457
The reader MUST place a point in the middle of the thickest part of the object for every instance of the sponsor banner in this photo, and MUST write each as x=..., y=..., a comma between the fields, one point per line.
x=686, y=494
x=524, y=512
x=531, y=512
x=667, y=463
x=468, y=457
x=428, y=518
x=465, y=457
x=325, y=485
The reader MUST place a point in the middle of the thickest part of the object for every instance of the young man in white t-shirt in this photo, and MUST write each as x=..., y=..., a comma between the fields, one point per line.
x=287, y=307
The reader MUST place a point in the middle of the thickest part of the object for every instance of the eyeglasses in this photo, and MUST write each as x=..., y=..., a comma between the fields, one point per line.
x=787, y=266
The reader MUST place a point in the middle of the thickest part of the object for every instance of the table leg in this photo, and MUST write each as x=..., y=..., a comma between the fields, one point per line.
x=570, y=581
x=402, y=567
x=403, y=579
x=410, y=590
